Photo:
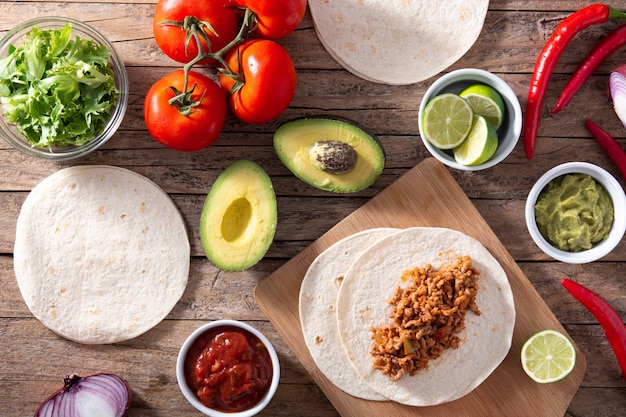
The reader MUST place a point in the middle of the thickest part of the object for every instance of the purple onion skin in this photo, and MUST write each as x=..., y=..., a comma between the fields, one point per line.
x=617, y=92
x=101, y=386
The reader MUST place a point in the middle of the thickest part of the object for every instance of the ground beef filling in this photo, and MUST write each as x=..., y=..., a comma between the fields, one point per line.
x=428, y=314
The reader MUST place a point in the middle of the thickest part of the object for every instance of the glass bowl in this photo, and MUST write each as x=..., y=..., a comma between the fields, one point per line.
x=508, y=133
x=190, y=395
x=15, y=38
x=598, y=250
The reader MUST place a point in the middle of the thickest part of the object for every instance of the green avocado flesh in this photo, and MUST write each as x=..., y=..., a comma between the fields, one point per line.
x=294, y=140
x=239, y=217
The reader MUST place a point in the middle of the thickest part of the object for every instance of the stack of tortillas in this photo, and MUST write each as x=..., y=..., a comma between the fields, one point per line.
x=101, y=254
x=345, y=294
x=397, y=41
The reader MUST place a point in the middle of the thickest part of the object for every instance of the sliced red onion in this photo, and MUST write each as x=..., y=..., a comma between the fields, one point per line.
x=103, y=395
x=617, y=90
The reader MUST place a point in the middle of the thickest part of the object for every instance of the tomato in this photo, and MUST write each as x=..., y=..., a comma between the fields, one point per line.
x=171, y=127
x=276, y=18
x=264, y=82
x=172, y=38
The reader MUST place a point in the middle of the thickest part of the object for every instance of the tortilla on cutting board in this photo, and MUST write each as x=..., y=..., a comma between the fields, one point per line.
x=318, y=305
x=101, y=254
x=363, y=303
x=397, y=41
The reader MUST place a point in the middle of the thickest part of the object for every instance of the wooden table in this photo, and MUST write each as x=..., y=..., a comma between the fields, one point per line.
x=33, y=361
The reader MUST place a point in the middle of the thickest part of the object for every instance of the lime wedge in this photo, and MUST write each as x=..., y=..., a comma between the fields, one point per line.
x=480, y=145
x=548, y=356
x=486, y=101
x=447, y=120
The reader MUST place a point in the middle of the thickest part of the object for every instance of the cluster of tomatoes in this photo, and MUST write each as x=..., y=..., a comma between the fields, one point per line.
x=256, y=78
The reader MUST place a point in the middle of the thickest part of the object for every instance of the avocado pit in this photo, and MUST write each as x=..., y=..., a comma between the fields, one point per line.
x=330, y=154
x=333, y=156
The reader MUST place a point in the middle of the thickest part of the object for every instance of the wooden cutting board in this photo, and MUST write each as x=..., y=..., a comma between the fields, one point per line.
x=429, y=196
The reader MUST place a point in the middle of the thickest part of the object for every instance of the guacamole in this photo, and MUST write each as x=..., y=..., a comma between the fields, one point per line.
x=573, y=212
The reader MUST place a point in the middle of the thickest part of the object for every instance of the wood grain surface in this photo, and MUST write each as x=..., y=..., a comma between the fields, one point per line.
x=33, y=361
x=428, y=196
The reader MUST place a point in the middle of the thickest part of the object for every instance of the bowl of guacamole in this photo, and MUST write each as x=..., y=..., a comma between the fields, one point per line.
x=575, y=212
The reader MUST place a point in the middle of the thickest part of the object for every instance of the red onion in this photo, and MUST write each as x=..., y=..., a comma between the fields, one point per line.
x=617, y=90
x=103, y=394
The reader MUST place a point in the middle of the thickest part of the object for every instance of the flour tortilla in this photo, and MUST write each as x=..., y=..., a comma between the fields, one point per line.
x=101, y=254
x=397, y=41
x=318, y=305
x=363, y=302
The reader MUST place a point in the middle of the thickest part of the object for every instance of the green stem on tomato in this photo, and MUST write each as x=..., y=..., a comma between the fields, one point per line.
x=247, y=26
x=183, y=100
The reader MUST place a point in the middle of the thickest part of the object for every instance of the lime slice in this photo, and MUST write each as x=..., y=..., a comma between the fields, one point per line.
x=480, y=145
x=447, y=120
x=486, y=101
x=548, y=356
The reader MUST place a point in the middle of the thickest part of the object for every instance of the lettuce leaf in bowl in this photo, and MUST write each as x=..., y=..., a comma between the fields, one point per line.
x=56, y=89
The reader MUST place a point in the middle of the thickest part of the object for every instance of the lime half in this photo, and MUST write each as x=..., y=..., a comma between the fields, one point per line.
x=548, y=356
x=486, y=101
x=480, y=145
x=447, y=120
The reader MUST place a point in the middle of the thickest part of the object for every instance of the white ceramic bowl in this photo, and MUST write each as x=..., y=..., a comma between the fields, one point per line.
x=600, y=249
x=508, y=133
x=191, y=396
x=16, y=37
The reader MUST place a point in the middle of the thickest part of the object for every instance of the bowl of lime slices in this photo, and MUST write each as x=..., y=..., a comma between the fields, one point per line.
x=470, y=119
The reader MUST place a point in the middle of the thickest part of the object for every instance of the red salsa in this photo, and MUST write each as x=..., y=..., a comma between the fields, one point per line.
x=229, y=368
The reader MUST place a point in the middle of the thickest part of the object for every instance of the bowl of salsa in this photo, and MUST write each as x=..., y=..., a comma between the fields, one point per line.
x=574, y=212
x=228, y=368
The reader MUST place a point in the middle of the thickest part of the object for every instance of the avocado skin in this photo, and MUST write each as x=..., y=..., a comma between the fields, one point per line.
x=239, y=217
x=293, y=139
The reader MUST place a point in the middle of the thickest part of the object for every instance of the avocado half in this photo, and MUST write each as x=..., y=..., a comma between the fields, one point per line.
x=302, y=143
x=239, y=217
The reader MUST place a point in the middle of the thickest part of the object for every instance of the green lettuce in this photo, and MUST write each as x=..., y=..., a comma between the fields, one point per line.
x=56, y=90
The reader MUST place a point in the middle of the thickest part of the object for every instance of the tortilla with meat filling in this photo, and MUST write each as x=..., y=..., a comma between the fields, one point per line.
x=362, y=304
x=318, y=306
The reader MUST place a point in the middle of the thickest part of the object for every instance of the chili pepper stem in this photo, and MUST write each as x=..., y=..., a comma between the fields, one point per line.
x=616, y=14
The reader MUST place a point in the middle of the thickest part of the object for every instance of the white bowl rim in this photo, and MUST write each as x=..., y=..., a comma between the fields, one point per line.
x=614, y=189
x=121, y=78
x=507, y=93
x=191, y=397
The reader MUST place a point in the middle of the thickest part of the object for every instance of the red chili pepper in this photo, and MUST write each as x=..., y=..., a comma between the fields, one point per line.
x=610, y=146
x=552, y=50
x=608, y=318
x=600, y=52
